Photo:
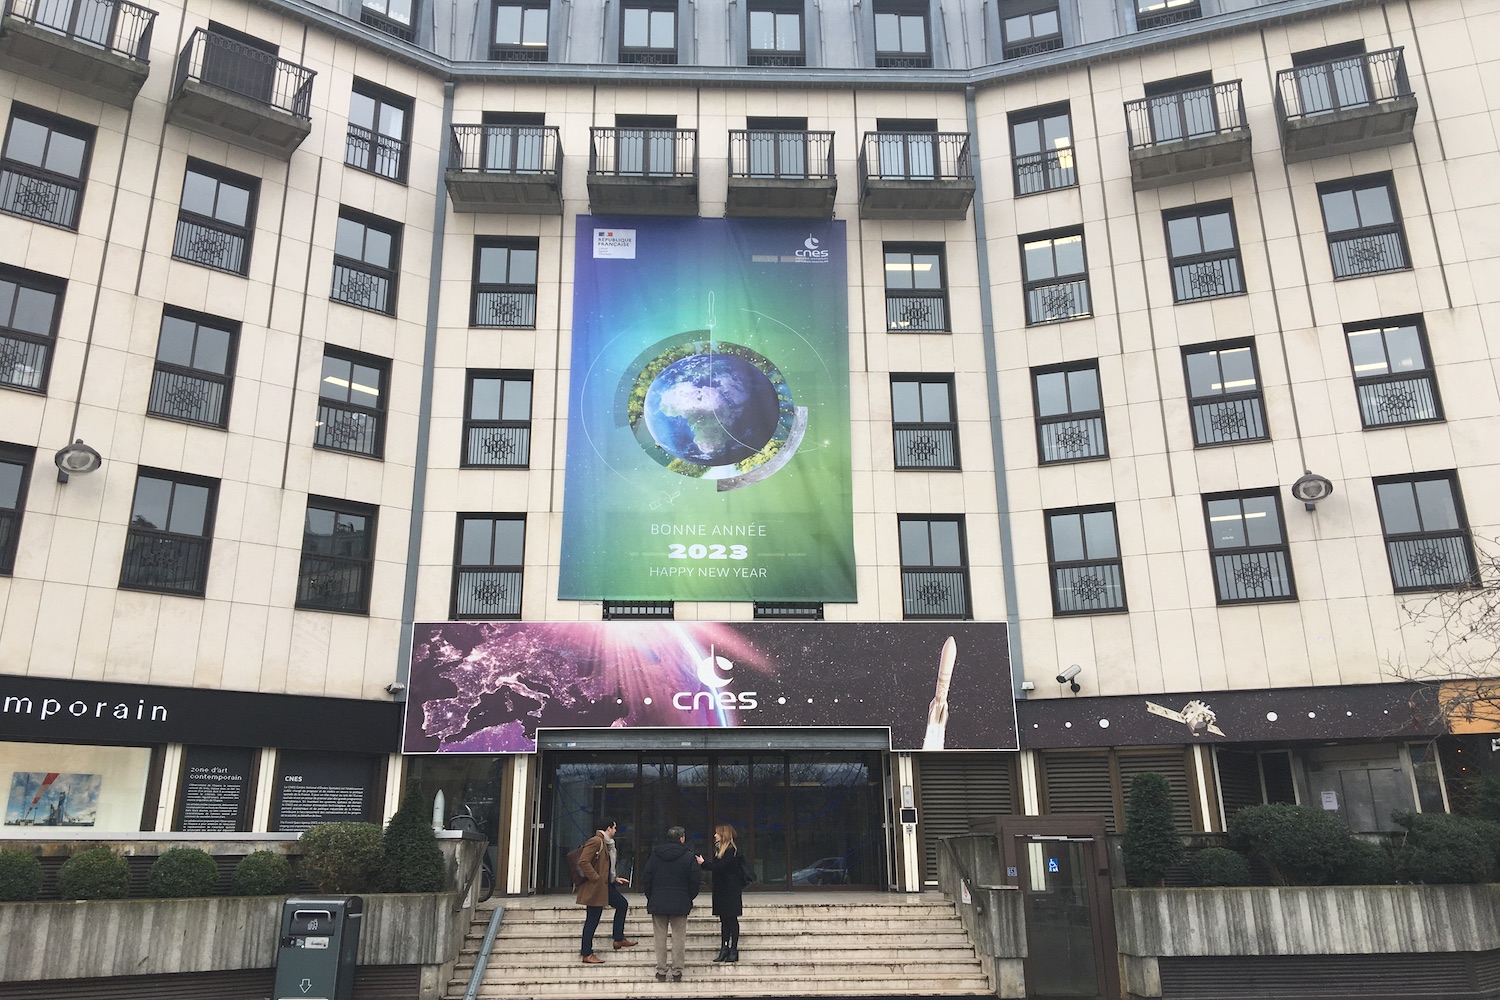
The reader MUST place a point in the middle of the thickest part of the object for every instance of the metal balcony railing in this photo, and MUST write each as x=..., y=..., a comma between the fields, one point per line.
x=935, y=593
x=506, y=149
x=360, y=286
x=1165, y=14
x=1088, y=588
x=117, y=26
x=1245, y=577
x=1071, y=438
x=643, y=152
x=1431, y=562
x=1336, y=85
x=328, y=583
x=498, y=444
x=1207, y=277
x=1388, y=400
x=776, y=59
x=376, y=153
x=1229, y=419
x=200, y=241
x=1032, y=47
x=781, y=155
x=486, y=593
x=518, y=53
x=506, y=308
x=1055, y=301
x=246, y=71
x=1368, y=251
x=1188, y=114
x=926, y=446
x=23, y=361
x=1045, y=171
x=916, y=156
x=39, y=194
x=183, y=394
x=903, y=60
x=160, y=560
x=344, y=428
x=914, y=312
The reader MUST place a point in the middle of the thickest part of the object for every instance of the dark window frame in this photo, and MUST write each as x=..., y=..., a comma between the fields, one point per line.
x=512, y=305
x=360, y=427
x=23, y=351
x=1355, y=252
x=373, y=146
x=519, y=50
x=776, y=55
x=648, y=54
x=1033, y=43
x=1412, y=390
x=208, y=238
x=1056, y=168
x=907, y=309
x=903, y=58
x=1416, y=558
x=173, y=394
x=36, y=192
x=150, y=552
x=498, y=577
x=1221, y=413
x=1211, y=274
x=513, y=436
x=361, y=283
x=927, y=445
x=362, y=565
x=1083, y=432
x=12, y=517
x=377, y=14
x=1248, y=573
x=1069, y=574
x=931, y=583
x=1160, y=13
x=1043, y=295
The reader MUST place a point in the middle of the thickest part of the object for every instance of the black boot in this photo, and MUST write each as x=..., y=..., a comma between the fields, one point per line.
x=723, y=951
x=733, y=950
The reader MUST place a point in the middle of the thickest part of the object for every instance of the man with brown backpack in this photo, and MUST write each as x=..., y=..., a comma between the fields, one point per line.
x=594, y=872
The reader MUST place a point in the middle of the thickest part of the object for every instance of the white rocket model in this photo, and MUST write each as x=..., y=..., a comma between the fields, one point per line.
x=937, y=709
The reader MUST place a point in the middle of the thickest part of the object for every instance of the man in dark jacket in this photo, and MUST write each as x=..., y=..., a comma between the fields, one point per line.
x=671, y=880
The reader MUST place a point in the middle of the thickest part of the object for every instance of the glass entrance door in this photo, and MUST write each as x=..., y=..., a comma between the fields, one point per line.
x=1060, y=937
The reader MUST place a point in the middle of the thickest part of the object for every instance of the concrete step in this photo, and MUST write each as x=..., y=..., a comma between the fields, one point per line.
x=615, y=967
x=704, y=983
x=567, y=949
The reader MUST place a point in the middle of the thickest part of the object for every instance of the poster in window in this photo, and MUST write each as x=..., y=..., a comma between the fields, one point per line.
x=314, y=788
x=215, y=794
x=52, y=798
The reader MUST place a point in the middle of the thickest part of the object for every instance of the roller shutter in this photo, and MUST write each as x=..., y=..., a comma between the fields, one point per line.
x=956, y=790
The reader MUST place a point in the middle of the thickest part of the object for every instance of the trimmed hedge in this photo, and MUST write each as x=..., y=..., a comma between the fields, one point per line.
x=95, y=874
x=182, y=872
x=264, y=873
x=343, y=857
x=1300, y=845
x=1442, y=849
x=20, y=876
x=1215, y=866
x=1152, y=845
x=412, y=860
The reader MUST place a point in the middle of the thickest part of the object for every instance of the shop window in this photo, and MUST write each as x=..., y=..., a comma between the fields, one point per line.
x=338, y=556
x=394, y=17
x=923, y=426
x=520, y=32
x=1426, y=532
x=15, y=477
x=194, y=368
x=366, y=256
x=487, y=566
x=776, y=33
x=216, y=218
x=902, y=39
x=1029, y=27
x=916, y=288
x=1083, y=553
x=934, y=568
x=1365, y=235
x=1069, y=413
x=648, y=32
x=1247, y=541
x=171, y=526
x=30, y=305
x=1055, y=276
x=1204, y=252
x=351, y=403
x=43, y=167
x=1041, y=145
x=1393, y=375
x=788, y=611
x=379, y=131
x=505, y=273
x=1224, y=393
x=642, y=610
x=497, y=420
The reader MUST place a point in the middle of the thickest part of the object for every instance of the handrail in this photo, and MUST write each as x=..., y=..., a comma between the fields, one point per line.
x=482, y=960
x=117, y=26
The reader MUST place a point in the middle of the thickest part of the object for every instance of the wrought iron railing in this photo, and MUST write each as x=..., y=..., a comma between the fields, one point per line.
x=1045, y=171
x=202, y=241
x=328, y=583
x=648, y=57
x=915, y=156
x=935, y=593
x=486, y=593
x=160, y=560
x=119, y=26
x=241, y=69
x=344, y=428
x=39, y=195
x=926, y=446
x=1145, y=20
x=183, y=394
x=507, y=309
x=1071, y=438
x=360, y=286
x=1057, y=300
x=776, y=59
x=1207, y=277
x=1368, y=251
x=1431, y=562
x=1248, y=576
x=1354, y=81
x=390, y=26
x=376, y=153
x=781, y=155
x=518, y=53
x=506, y=149
x=1187, y=114
x=1032, y=47
x=915, y=312
x=1087, y=588
x=1387, y=400
x=903, y=60
x=643, y=152
x=498, y=443
x=1229, y=419
x=23, y=361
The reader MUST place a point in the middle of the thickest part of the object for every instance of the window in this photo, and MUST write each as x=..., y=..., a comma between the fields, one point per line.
x=30, y=304
x=901, y=35
x=520, y=32
x=44, y=165
x=1224, y=393
x=788, y=611
x=338, y=556
x=171, y=523
x=15, y=477
x=916, y=288
x=658, y=610
x=1055, y=276
x=648, y=33
x=1029, y=27
x=922, y=422
x=1426, y=532
x=1069, y=413
x=216, y=218
x=1205, y=252
x=379, y=131
x=776, y=33
x=487, y=566
x=1041, y=144
x=366, y=254
x=1393, y=375
x=1248, y=544
x=1364, y=227
x=497, y=420
x=394, y=17
x=934, y=568
x=194, y=368
x=1159, y=13
x=351, y=403
x=1083, y=552
x=504, y=283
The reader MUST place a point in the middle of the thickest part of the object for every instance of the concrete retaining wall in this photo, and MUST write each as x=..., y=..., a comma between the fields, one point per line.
x=994, y=917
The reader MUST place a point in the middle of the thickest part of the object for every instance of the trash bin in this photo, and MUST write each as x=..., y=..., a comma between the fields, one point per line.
x=318, y=946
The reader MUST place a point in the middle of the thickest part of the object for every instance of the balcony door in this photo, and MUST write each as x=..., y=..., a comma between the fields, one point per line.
x=85, y=20
x=646, y=145
x=514, y=143
x=240, y=63
x=908, y=148
x=1182, y=108
x=777, y=147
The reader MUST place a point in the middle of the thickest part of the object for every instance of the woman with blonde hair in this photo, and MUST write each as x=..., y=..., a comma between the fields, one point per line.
x=729, y=891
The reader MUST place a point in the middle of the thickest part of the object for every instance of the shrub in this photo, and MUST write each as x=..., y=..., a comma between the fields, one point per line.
x=264, y=873
x=1367, y=864
x=183, y=871
x=20, y=876
x=1484, y=800
x=1219, y=866
x=1151, y=845
x=96, y=874
x=342, y=857
x=412, y=860
x=1300, y=845
x=1443, y=849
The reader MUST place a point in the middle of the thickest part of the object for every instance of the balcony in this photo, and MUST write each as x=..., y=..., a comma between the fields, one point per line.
x=1342, y=106
x=784, y=175
x=98, y=48
x=1187, y=136
x=242, y=95
x=643, y=171
x=915, y=175
x=505, y=169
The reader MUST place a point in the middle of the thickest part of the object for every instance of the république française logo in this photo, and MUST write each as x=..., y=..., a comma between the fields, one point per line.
x=715, y=681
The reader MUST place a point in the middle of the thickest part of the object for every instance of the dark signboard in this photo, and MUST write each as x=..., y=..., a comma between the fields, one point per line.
x=487, y=687
x=313, y=788
x=69, y=711
x=215, y=792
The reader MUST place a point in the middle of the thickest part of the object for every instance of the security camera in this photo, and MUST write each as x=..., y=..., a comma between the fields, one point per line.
x=394, y=688
x=1069, y=674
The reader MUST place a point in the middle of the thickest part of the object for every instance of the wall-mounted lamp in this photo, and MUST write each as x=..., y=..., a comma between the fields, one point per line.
x=395, y=688
x=1070, y=678
x=1311, y=488
x=75, y=460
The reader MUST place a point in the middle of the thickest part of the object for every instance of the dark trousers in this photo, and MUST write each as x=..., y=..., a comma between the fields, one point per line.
x=591, y=920
x=729, y=931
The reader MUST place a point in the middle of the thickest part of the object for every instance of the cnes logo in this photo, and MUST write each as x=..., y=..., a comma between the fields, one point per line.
x=810, y=249
x=713, y=674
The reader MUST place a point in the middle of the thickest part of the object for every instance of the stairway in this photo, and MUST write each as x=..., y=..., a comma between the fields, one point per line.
x=826, y=944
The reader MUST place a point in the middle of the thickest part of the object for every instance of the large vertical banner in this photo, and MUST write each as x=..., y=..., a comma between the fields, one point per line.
x=708, y=435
